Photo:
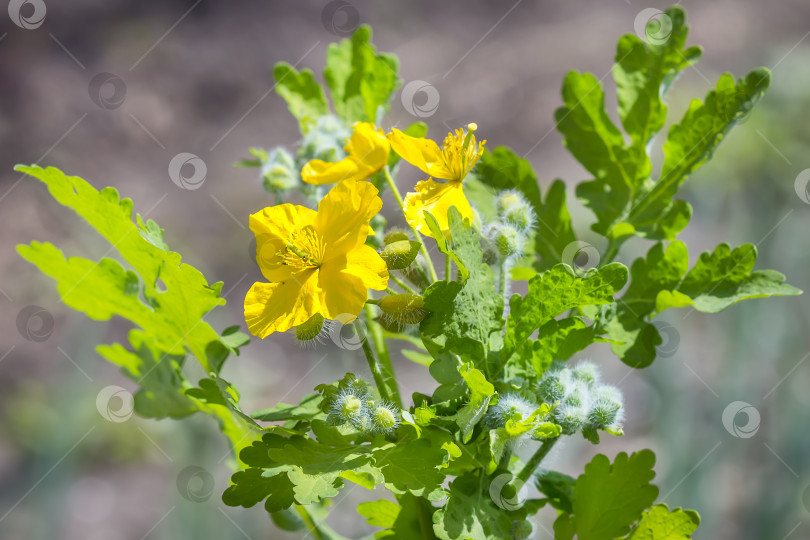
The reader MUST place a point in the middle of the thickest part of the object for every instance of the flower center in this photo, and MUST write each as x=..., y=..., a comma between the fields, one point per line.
x=304, y=249
x=460, y=152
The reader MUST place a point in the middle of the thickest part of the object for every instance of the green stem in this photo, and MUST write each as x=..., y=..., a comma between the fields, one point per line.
x=384, y=364
x=401, y=283
x=535, y=460
x=310, y=523
x=502, y=271
x=376, y=372
x=416, y=235
x=447, y=268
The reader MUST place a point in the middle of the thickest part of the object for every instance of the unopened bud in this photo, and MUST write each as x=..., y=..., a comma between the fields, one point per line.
x=522, y=530
x=508, y=240
x=396, y=235
x=403, y=308
x=278, y=171
x=400, y=254
x=586, y=372
x=384, y=418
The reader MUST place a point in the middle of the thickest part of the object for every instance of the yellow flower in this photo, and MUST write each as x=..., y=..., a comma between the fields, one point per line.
x=368, y=151
x=317, y=262
x=453, y=161
x=436, y=198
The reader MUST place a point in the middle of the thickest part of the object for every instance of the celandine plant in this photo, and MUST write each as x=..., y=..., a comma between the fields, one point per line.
x=333, y=267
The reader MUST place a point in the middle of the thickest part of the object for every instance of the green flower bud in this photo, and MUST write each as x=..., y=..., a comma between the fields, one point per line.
x=400, y=254
x=403, y=308
x=349, y=405
x=571, y=418
x=507, y=240
x=310, y=330
x=508, y=406
x=522, y=530
x=551, y=389
x=586, y=372
x=606, y=410
x=396, y=235
x=507, y=200
x=278, y=171
x=384, y=418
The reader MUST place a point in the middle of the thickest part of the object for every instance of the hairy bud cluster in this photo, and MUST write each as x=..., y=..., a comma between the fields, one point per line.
x=507, y=407
x=278, y=171
x=506, y=237
x=325, y=140
x=582, y=403
x=356, y=406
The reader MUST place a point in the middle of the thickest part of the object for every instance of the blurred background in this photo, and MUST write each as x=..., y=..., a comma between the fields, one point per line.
x=112, y=90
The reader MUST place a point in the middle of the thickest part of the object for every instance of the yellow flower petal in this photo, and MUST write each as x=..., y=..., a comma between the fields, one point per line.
x=277, y=307
x=419, y=152
x=273, y=227
x=368, y=151
x=436, y=198
x=453, y=161
x=344, y=214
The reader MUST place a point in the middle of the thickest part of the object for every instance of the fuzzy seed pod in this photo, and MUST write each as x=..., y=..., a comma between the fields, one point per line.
x=310, y=330
x=400, y=254
x=403, y=309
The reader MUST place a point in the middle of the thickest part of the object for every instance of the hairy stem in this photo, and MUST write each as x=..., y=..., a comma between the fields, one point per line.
x=416, y=235
x=405, y=287
x=536, y=459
